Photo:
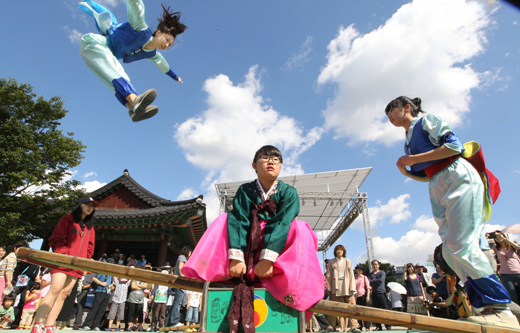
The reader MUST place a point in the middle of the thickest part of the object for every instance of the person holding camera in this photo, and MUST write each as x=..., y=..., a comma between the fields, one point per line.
x=507, y=253
x=414, y=291
x=441, y=308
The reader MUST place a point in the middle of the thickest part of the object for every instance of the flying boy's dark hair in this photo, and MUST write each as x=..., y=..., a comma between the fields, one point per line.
x=402, y=101
x=268, y=150
x=89, y=219
x=170, y=23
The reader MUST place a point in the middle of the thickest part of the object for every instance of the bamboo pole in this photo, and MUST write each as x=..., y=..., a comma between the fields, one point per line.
x=54, y=260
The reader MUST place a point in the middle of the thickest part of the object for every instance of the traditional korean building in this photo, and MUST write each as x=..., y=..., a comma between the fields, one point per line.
x=135, y=221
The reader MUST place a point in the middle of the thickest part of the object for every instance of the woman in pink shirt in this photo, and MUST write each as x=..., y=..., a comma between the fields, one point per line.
x=363, y=291
x=509, y=264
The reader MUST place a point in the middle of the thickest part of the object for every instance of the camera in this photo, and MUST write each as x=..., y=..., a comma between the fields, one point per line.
x=426, y=303
x=492, y=235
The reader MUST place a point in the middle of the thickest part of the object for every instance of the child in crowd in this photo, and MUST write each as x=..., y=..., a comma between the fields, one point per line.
x=117, y=310
x=259, y=241
x=7, y=312
x=129, y=41
x=192, y=314
x=459, y=204
x=32, y=297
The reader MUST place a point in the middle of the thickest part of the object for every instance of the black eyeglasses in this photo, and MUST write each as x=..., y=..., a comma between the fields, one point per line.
x=266, y=158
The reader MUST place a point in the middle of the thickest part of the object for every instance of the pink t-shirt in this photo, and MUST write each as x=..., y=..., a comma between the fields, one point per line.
x=362, y=284
x=509, y=260
x=32, y=303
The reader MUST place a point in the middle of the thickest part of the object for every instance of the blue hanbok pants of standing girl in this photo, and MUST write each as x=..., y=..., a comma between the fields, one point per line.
x=457, y=199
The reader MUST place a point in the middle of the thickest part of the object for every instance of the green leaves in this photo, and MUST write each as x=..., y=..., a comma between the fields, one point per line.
x=34, y=158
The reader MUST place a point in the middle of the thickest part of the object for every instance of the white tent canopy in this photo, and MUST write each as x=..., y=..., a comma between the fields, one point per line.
x=326, y=200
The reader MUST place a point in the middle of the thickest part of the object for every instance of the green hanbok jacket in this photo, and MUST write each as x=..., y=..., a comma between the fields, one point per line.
x=277, y=228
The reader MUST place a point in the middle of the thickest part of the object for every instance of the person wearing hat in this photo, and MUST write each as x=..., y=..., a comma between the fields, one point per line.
x=73, y=235
x=425, y=276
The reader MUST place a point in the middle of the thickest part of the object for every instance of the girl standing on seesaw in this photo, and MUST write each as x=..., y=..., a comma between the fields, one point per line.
x=259, y=242
x=74, y=235
x=130, y=41
x=457, y=193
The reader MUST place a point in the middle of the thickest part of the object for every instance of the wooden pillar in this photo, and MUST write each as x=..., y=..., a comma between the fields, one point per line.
x=163, y=248
x=103, y=247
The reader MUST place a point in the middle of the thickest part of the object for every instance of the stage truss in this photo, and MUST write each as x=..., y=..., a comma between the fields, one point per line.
x=329, y=202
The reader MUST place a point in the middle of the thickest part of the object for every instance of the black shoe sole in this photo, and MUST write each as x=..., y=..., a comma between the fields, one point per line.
x=147, y=98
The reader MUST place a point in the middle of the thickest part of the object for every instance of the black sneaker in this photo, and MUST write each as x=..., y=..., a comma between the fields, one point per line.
x=143, y=100
x=148, y=112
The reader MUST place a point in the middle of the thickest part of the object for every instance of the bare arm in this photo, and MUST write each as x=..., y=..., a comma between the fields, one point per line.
x=29, y=296
x=437, y=280
x=44, y=284
x=408, y=174
x=439, y=153
x=94, y=279
x=181, y=265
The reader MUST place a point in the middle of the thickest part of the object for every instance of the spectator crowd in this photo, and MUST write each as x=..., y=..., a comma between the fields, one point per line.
x=97, y=301
x=102, y=302
x=440, y=294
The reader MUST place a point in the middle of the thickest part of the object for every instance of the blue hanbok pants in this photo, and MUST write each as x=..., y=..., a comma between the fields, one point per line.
x=457, y=199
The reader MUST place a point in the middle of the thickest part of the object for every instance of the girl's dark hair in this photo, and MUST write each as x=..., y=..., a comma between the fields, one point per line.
x=402, y=101
x=2, y=246
x=170, y=23
x=268, y=150
x=89, y=219
x=10, y=297
x=186, y=250
x=33, y=285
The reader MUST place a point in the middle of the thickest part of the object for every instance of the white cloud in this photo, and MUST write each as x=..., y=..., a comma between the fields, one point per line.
x=223, y=139
x=73, y=34
x=187, y=193
x=426, y=223
x=396, y=210
x=420, y=51
x=299, y=59
x=91, y=186
x=414, y=247
x=87, y=186
x=88, y=175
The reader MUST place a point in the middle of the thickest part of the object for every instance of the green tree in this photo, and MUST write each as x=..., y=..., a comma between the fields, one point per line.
x=386, y=267
x=35, y=157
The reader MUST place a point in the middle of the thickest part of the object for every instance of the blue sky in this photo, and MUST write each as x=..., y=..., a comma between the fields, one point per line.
x=310, y=77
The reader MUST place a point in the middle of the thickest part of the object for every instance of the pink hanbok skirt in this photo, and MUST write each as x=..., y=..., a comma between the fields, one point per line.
x=297, y=278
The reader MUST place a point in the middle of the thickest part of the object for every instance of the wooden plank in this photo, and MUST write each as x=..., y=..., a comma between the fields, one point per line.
x=52, y=260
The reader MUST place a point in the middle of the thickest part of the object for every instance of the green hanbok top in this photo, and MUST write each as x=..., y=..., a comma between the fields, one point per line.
x=277, y=228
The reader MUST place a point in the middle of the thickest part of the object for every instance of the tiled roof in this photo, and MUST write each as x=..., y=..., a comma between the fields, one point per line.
x=134, y=187
x=165, y=208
